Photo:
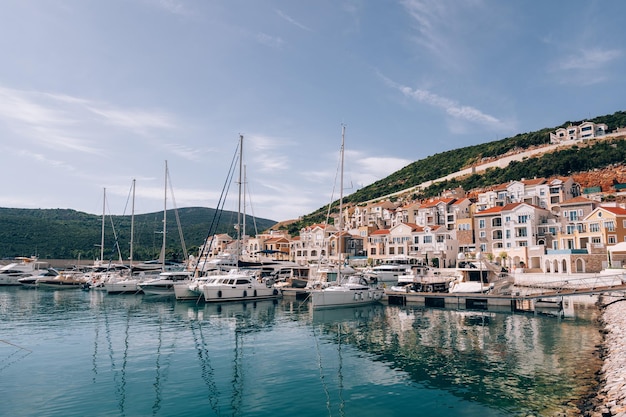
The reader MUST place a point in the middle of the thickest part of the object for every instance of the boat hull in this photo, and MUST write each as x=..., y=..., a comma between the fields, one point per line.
x=218, y=294
x=329, y=298
x=122, y=287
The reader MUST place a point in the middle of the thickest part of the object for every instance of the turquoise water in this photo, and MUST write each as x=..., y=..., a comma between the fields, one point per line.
x=81, y=353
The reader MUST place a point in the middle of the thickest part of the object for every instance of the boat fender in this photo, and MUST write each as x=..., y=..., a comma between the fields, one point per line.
x=245, y=293
x=219, y=294
x=356, y=296
x=275, y=292
x=255, y=293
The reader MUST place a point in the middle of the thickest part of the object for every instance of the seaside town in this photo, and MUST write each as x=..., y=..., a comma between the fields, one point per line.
x=523, y=246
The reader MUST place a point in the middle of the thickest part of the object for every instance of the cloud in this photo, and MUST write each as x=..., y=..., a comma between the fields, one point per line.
x=588, y=66
x=292, y=21
x=176, y=7
x=451, y=107
x=365, y=169
x=271, y=41
x=440, y=26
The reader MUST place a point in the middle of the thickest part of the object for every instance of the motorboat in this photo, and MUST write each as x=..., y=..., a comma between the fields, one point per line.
x=390, y=269
x=353, y=290
x=30, y=281
x=22, y=267
x=123, y=285
x=422, y=278
x=163, y=285
x=475, y=276
x=292, y=276
x=237, y=285
x=66, y=280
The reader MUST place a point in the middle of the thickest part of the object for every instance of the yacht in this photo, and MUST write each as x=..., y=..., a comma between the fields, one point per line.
x=30, y=281
x=354, y=290
x=237, y=285
x=390, y=269
x=67, y=280
x=163, y=285
x=22, y=267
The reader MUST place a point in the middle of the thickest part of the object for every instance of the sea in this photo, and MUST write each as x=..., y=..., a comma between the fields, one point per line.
x=86, y=353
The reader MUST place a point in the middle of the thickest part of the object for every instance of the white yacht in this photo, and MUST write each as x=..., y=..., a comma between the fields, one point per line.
x=390, y=269
x=237, y=285
x=163, y=285
x=30, y=281
x=22, y=267
x=352, y=291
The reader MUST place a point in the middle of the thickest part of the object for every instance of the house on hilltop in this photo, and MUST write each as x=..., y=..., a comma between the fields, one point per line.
x=585, y=130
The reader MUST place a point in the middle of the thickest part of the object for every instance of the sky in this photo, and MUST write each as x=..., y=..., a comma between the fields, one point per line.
x=96, y=94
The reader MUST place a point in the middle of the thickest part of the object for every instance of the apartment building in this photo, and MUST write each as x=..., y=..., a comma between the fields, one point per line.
x=513, y=230
x=585, y=130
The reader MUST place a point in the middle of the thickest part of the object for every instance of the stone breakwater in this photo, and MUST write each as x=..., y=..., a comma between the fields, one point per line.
x=610, y=399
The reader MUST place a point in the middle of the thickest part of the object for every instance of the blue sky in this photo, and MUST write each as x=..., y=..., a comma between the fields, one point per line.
x=94, y=94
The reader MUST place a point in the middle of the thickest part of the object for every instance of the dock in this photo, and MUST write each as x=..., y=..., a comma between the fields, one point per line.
x=521, y=299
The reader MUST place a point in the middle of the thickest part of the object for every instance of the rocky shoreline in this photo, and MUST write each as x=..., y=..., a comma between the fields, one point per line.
x=610, y=397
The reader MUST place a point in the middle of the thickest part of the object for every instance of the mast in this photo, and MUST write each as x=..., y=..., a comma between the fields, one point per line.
x=339, y=241
x=132, y=227
x=164, y=221
x=239, y=200
x=104, y=202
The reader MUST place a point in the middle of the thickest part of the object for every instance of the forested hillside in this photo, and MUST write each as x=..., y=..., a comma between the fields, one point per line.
x=439, y=165
x=69, y=234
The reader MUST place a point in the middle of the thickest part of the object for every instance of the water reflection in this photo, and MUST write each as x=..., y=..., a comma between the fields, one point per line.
x=492, y=358
x=274, y=358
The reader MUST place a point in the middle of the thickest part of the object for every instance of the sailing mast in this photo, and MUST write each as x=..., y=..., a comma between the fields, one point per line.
x=239, y=200
x=132, y=228
x=339, y=241
x=164, y=221
x=104, y=202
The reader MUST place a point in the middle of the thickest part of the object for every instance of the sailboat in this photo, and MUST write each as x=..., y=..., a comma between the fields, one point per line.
x=238, y=284
x=163, y=285
x=126, y=284
x=350, y=291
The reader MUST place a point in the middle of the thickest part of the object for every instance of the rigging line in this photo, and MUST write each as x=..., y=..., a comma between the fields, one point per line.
x=332, y=195
x=117, y=244
x=256, y=231
x=180, y=228
x=218, y=210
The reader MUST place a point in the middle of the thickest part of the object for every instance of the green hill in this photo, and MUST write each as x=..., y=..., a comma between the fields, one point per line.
x=439, y=165
x=70, y=234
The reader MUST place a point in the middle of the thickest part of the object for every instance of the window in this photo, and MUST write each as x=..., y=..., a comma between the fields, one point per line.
x=523, y=218
x=522, y=243
x=596, y=240
x=481, y=223
x=497, y=234
x=612, y=239
x=609, y=226
x=483, y=247
x=570, y=229
x=521, y=232
x=508, y=234
x=594, y=227
x=482, y=234
x=372, y=251
x=416, y=240
x=428, y=239
x=441, y=239
x=496, y=222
